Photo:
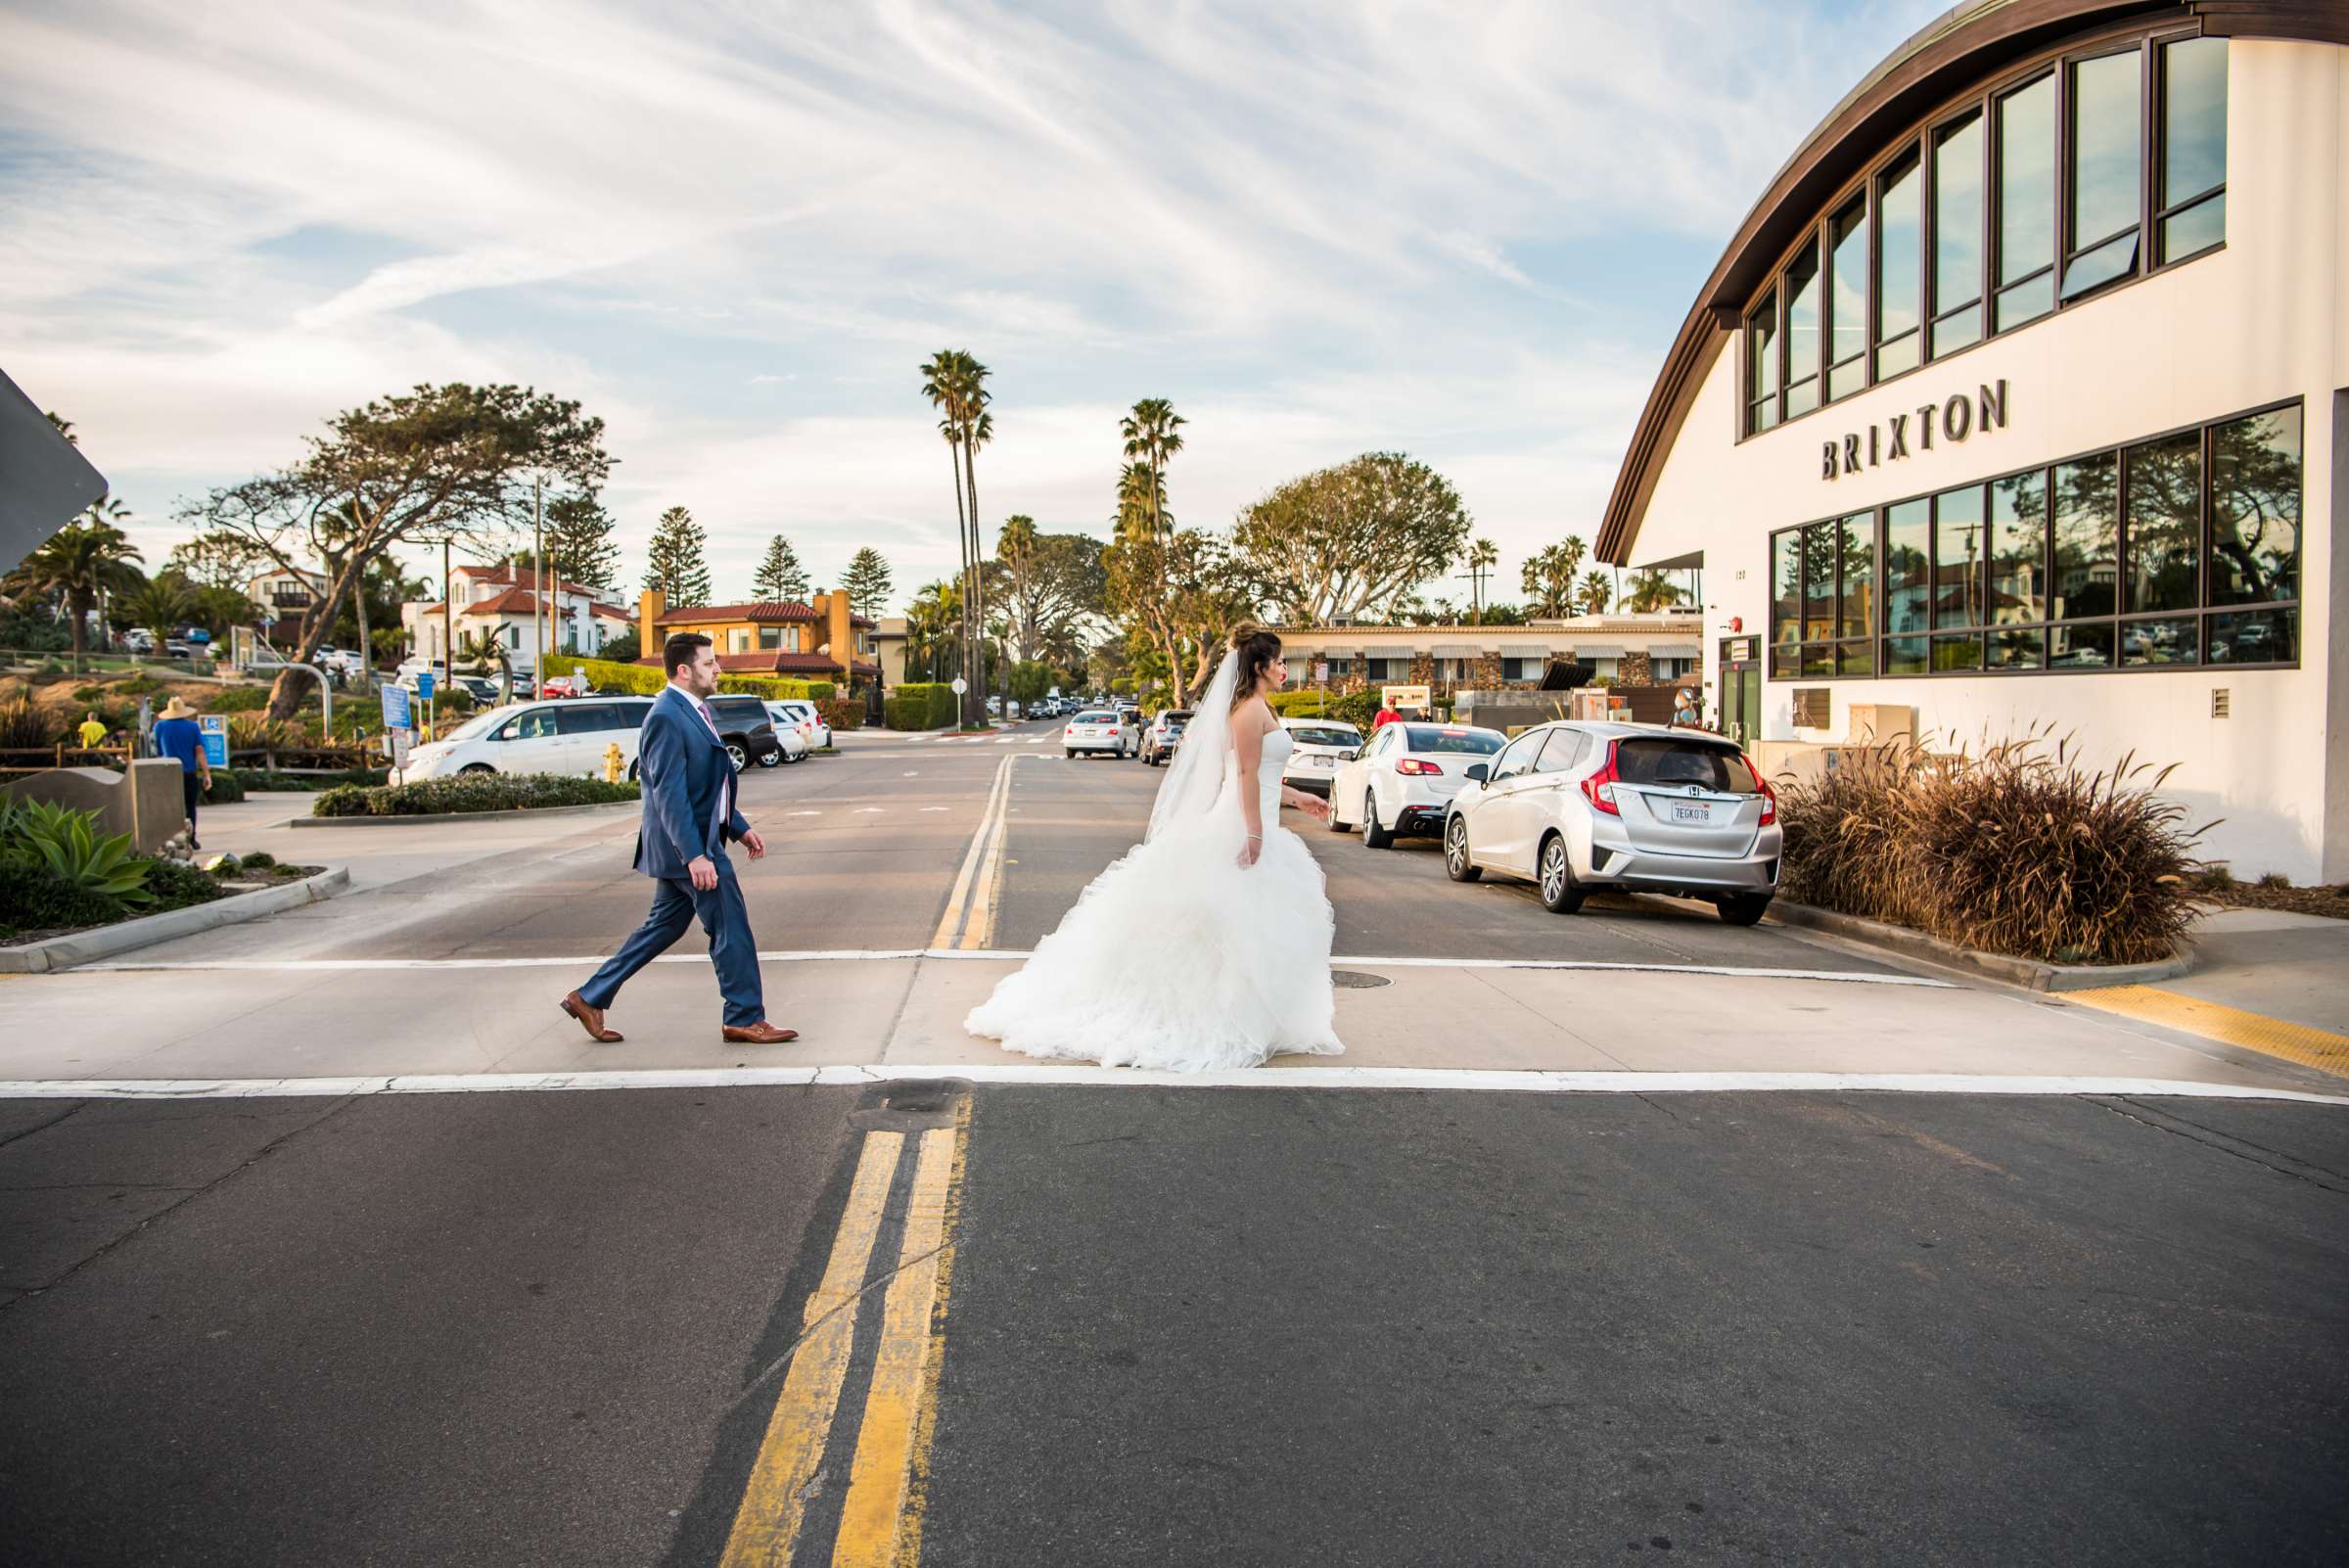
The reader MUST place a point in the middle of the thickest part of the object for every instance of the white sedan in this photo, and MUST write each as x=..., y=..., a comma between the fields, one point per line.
x=1320, y=748
x=802, y=718
x=1402, y=781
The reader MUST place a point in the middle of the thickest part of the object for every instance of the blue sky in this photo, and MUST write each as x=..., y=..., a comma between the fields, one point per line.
x=735, y=230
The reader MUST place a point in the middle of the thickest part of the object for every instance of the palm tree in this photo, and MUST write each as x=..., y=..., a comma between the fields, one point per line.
x=1651, y=591
x=80, y=561
x=1482, y=556
x=1152, y=436
x=481, y=649
x=977, y=428
x=161, y=605
x=941, y=385
x=1548, y=577
x=955, y=384
x=1597, y=592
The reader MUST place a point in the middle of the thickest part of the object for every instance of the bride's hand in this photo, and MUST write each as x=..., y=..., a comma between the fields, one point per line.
x=1250, y=850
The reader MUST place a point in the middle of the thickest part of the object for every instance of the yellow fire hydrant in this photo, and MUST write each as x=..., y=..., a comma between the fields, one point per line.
x=612, y=763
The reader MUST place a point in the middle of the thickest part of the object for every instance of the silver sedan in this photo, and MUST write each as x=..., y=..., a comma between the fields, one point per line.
x=1575, y=806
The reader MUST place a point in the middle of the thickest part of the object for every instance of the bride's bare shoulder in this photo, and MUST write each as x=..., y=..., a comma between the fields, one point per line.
x=1256, y=715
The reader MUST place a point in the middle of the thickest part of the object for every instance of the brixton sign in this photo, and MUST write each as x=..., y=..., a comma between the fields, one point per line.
x=1957, y=418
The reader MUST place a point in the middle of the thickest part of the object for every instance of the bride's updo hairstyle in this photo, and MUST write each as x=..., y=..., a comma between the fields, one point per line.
x=1255, y=647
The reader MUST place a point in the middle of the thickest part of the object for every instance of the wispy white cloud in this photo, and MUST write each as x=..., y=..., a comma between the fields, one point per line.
x=1320, y=227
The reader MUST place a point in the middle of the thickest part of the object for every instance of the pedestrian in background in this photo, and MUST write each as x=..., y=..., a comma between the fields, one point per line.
x=1386, y=716
x=177, y=735
x=92, y=732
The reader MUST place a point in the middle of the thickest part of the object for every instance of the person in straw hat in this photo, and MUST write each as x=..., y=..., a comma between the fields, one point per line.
x=177, y=735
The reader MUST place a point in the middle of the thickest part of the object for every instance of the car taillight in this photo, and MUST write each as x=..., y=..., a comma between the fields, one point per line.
x=1599, y=787
x=1414, y=765
x=1769, y=796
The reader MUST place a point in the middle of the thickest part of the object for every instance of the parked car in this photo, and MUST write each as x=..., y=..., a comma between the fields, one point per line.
x=1129, y=719
x=1321, y=746
x=802, y=716
x=747, y=731
x=1575, y=805
x=1163, y=734
x=410, y=668
x=1096, y=730
x=1402, y=780
x=567, y=686
x=536, y=737
x=481, y=688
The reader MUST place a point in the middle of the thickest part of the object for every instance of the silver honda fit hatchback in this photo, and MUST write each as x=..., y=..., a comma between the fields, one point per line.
x=1575, y=806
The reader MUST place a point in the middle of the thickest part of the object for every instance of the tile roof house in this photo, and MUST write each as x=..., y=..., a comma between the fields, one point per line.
x=784, y=637
x=501, y=603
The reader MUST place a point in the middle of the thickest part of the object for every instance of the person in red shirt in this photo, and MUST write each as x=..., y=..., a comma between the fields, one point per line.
x=1386, y=716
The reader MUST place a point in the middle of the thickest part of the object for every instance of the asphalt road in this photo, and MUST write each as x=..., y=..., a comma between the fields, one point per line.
x=1184, y=1327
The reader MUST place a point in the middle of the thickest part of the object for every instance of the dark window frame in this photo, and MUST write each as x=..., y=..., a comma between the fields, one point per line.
x=1811, y=659
x=1922, y=139
x=2157, y=106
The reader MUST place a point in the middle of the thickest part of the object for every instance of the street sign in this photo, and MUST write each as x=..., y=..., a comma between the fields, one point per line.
x=401, y=741
x=214, y=728
x=396, y=707
x=423, y=685
x=1321, y=671
x=960, y=686
x=48, y=478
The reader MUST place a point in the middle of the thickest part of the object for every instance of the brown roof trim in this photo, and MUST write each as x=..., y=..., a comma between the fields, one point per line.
x=1964, y=46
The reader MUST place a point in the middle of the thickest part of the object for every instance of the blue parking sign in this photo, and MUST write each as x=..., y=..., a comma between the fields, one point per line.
x=215, y=729
x=423, y=685
x=396, y=707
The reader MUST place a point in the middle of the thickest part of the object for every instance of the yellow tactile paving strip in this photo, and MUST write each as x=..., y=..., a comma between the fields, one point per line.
x=2319, y=1049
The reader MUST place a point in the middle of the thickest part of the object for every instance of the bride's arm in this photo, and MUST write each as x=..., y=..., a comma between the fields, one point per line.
x=1248, y=749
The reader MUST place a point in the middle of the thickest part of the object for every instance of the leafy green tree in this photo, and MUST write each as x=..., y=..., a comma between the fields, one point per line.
x=1351, y=541
x=867, y=582
x=220, y=609
x=163, y=605
x=215, y=560
x=781, y=578
x=580, y=546
x=77, y=564
x=453, y=461
x=676, y=566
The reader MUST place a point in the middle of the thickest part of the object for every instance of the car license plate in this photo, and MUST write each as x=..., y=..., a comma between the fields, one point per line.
x=1321, y=763
x=1700, y=813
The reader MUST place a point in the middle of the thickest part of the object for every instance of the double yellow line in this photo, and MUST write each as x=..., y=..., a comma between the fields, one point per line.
x=881, y=1516
x=969, y=923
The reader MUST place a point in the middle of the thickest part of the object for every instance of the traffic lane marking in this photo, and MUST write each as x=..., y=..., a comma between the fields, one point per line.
x=775, y=1498
x=2299, y=1043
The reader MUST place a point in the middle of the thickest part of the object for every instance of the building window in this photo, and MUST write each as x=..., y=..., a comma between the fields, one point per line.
x=2192, y=199
x=2026, y=194
x=2180, y=550
x=770, y=637
x=2102, y=173
x=738, y=640
x=1801, y=371
x=1958, y=234
x=1847, y=301
x=1900, y=265
x=1762, y=365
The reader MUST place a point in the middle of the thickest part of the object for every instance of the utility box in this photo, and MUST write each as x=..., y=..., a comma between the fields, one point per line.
x=1879, y=723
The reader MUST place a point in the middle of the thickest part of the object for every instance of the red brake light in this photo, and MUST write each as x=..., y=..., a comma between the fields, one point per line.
x=1414, y=765
x=1600, y=788
x=1769, y=796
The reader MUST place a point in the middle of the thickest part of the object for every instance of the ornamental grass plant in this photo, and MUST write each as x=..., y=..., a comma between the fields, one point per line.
x=2017, y=849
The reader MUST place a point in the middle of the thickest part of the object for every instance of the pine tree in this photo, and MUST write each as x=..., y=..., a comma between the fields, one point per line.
x=580, y=547
x=781, y=577
x=676, y=566
x=867, y=582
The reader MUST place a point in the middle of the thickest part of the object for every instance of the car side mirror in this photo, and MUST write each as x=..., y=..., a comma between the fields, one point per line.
x=1354, y=756
x=1480, y=772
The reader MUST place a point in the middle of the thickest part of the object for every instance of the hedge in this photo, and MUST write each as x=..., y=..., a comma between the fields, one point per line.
x=842, y=713
x=469, y=792
x=646, y=680
x=1357, y=708
x=776, y=688
x=920, y=705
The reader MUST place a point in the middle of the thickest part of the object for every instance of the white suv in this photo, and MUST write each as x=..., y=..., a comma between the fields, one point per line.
x=804, y=717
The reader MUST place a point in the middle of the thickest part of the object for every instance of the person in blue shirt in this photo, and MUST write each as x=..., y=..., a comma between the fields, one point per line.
x=177, y=735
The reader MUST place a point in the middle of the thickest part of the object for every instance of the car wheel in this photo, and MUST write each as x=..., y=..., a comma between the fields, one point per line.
x=1456, y=863
x=1071, y=751
x=1561, y=893
x=1375, y=834
x=736, y=757
x=1332, y=822
x=632, y=773
x=477, y=768
x=1742, y=909
x=773, y=759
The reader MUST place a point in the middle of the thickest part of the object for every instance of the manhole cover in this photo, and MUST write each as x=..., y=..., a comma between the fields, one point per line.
x=1357, y=980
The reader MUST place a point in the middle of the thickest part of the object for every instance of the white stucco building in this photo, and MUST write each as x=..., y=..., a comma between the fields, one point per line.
x=501, y=604
x=2021, y=398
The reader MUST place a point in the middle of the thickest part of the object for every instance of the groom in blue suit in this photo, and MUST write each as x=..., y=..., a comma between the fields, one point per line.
x=689, y=814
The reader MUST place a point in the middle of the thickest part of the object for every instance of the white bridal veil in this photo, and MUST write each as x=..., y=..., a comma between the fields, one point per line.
x=1196, y=779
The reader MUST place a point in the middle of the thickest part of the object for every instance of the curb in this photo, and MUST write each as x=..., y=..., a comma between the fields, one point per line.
x=127, y=936
x=2028, y=973
x=425, y=819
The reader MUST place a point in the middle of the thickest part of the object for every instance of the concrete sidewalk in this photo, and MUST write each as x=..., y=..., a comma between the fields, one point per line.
x=352, y=1019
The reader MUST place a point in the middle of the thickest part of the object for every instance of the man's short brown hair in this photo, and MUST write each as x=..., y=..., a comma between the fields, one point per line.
x=680, y=650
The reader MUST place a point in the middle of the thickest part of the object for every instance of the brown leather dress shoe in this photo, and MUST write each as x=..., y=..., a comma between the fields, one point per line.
x=591, y=1019
x=762, y=1033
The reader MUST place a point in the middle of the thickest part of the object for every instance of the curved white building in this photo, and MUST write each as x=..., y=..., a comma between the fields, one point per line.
x=2021, y=398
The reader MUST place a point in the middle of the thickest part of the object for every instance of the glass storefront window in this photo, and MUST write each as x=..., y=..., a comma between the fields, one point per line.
x=1958, y=653
x=2087, y=537
x=1762, y=365
x=2016, y=647
x=1900, y=265
x=2107, y=132
x=2079, y=647
x=2162, y=515
x=1904, y=655
x=1958, y=235
x=2159, y=642
x=2018, y=549
x=1786, y=585
x=1857, y=577
x=1958, y=545
x=1847, y=300
x=1819, y=582
x=2255, y=509
x=2026, y=203
x=1908, y=548
x=1802, y=333
x=2193, y=188
x=2254, y=638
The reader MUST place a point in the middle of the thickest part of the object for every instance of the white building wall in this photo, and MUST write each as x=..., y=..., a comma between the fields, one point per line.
x=2261, y=321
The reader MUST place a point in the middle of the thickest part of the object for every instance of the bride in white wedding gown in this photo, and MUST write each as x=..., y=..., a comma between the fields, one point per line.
x=1207, y=945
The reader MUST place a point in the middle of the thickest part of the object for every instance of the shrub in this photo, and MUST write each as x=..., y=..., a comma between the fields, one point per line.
x=260, y=860
x=176, y=884
x=25, y=725
x=776, y=688
x=2015, y=850
x=36, y=899
x=223, y=788
x=1302, y=703
x=238, y=699
x=607, y=675
x=264, y=781
x=469, y=792
x=842, y=713
x=67, y=845
x=920, y=705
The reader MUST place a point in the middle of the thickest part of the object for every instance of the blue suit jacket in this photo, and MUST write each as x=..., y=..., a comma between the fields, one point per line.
x=685, y=772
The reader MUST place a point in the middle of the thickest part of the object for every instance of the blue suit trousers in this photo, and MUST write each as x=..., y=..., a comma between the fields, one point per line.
x=675, y=902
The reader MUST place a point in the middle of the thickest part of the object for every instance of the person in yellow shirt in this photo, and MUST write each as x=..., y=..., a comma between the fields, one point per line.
x=91, y=731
